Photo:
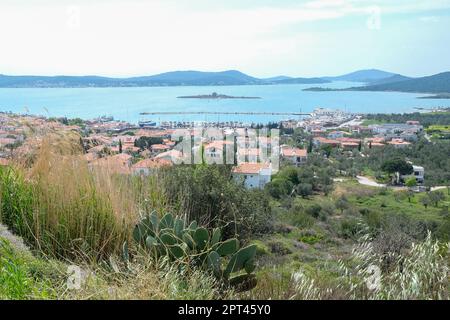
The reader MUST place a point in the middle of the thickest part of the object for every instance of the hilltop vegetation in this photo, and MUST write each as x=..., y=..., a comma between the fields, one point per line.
x=313, y=237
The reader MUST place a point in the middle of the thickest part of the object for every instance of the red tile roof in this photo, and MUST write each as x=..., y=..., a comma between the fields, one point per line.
x=250, y=168
x=293, y=152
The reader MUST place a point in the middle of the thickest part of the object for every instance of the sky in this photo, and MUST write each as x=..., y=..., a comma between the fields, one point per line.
x=262, y=38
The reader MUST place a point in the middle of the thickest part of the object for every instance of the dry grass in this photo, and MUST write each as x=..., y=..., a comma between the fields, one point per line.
x=65, y=208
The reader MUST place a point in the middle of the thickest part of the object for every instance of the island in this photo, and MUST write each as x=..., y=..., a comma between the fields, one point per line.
x=215, y=95
x=437, y=96
x=319, y=89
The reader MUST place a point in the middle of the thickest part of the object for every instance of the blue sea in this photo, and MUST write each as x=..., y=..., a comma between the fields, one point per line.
x=127, y=103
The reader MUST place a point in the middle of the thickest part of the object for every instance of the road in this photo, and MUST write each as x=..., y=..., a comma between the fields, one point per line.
x=368, y=182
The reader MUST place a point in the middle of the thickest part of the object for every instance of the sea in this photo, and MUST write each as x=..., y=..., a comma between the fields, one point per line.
x=127, y=104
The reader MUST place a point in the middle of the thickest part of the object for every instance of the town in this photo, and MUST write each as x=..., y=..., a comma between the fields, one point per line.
x=141, y=149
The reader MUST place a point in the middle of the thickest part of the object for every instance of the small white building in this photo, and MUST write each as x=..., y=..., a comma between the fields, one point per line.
x=253, y=175
x=418, y=173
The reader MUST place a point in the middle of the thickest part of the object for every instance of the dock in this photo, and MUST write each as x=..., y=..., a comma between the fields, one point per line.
x=225, y=113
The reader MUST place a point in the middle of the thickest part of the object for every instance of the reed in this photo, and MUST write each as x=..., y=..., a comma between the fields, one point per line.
x=65, y=208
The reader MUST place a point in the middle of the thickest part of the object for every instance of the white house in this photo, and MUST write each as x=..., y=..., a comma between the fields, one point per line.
x=253, y=175
x=418, y=173
x=296, y=156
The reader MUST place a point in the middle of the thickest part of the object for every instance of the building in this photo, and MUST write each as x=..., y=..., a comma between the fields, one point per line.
x=296, y=156
x=148, y=166
x=418, y=173
x=405, y=131
x=252, y=155
x=174, y=156
x=399, y=143
x=320, y=141
x=119, y=163
x=214, y=151
x=337, y=134
x=252, y=175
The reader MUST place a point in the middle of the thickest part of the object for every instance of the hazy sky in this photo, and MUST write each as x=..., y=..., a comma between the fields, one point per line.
x=259, y=37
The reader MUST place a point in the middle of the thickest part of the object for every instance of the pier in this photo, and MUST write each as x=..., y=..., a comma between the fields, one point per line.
x=226, y=113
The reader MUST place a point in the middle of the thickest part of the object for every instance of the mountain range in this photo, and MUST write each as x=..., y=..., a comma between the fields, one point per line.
x=374, y=80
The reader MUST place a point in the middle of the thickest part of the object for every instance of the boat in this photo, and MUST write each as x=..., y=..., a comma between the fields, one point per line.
x=147, y=124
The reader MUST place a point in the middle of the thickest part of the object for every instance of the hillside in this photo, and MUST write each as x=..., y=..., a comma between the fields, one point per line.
x=176, y=78
x=302, y=81
x=367, y=76
x=393, y=79
x=179, y=78
x=439, y=83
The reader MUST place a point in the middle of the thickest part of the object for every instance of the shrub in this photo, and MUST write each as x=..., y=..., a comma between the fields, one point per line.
x=279, y=248
x=314, y=210
x=302, y=220
x=310, y=237
x=208, y=194
x=304, y=190
x=351, y=228
x=279, y=188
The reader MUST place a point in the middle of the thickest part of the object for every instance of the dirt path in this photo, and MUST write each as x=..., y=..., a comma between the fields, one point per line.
x=368, y=182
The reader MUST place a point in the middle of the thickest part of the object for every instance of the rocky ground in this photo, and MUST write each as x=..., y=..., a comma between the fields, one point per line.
x=15, y=241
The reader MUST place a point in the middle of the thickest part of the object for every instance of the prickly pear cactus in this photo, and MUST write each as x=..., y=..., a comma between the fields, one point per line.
x=171, y=237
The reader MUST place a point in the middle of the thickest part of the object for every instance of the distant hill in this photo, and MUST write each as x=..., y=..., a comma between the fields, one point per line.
x=57, y=81
x=376, y=80
x=393, y=79
x=302, y=81
x=278, y=78
x=367, y=76
x=438, y=83
x=176, y=78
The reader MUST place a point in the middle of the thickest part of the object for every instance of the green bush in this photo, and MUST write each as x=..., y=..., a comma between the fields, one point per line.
x=302, y=220
x=207, y=193
x=351, y=228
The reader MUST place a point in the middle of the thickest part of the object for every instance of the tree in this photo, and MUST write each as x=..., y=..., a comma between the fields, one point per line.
x=291, y=174
x=411, y=182
x=397, y=165
x=120, y=146
x=425, y=201
x=310, y=146
x=304, y=190
x=326, y=148
x=410, y=194
x=145, y=142
x=436, y=197
x=342, y=204
x=279, y=187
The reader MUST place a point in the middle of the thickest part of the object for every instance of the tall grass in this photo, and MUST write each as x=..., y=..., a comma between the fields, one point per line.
x=65, y=208
x=420, y=273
